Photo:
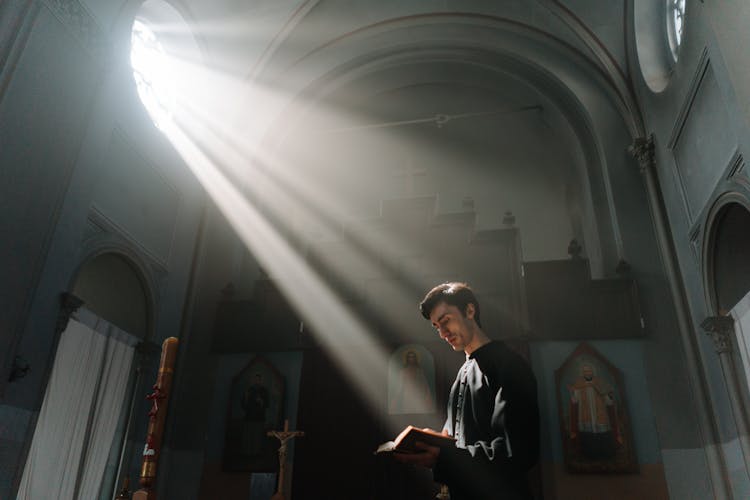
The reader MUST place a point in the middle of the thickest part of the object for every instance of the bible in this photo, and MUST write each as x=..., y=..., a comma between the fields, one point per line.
x=406, y=441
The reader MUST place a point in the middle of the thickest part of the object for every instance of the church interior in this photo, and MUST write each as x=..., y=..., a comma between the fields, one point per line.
x=264, y=190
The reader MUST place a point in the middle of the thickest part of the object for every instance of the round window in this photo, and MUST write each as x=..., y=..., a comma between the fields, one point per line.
x=675, y=23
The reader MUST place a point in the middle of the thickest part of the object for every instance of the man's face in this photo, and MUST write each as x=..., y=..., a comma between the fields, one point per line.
x=452, y=326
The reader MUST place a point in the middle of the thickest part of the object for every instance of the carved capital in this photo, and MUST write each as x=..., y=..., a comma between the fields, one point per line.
x=642, y=150
x=574, y=249
x=69, y=304
x=721, y=330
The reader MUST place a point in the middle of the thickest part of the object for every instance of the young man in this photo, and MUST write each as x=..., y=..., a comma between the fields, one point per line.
x=492, y=408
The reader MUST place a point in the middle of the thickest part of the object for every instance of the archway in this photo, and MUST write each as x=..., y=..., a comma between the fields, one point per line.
x=729, y=247
x=83, y=418
x=111, y=287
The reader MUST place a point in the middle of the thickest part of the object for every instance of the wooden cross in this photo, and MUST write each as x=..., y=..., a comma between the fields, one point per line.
x=283, y=437
x=409, y=173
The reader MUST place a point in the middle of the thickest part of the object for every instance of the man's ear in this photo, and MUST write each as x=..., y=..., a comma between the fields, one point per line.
x=470, y=310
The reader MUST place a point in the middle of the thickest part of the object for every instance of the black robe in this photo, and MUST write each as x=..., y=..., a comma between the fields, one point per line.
x=494, y=415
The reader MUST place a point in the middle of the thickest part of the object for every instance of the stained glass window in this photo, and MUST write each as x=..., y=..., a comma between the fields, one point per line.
x=151, y=72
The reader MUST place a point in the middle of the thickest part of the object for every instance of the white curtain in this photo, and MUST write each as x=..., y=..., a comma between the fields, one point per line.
x=79, y=414
x=741, y=315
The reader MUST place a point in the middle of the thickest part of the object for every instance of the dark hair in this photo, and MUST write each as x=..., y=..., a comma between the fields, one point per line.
x=454, y=294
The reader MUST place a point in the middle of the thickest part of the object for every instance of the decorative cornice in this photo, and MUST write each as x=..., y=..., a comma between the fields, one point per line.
x=82, y=25
x=721, y=330
x=116, y=235
x=642, y=150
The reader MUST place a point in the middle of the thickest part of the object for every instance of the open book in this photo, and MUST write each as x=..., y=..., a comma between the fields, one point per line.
x=406, y=441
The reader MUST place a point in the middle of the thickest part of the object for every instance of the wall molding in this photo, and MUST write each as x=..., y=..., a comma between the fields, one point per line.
x=695, y=84
x=736, y=172
x=679, y=126
x=111, y=238
x=736, y=165
x=141, y=153
x=695, y=238
x=109, y=228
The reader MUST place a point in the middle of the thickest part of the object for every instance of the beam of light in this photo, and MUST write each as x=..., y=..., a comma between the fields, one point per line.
x=289, y=191
x=199, y=126
x=294, y=195
x=350, y=342
x=290, y=194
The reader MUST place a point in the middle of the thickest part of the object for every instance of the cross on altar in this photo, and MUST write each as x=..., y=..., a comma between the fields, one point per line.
x=283, y=436
x=409, y=173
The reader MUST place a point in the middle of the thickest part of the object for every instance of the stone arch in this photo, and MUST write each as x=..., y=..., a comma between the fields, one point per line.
x=114, y=286
x=602, y=123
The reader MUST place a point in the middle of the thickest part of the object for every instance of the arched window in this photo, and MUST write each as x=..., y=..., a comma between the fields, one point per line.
x=658, y=28
x=151, y=72
x=161, y=46
x=675, y=23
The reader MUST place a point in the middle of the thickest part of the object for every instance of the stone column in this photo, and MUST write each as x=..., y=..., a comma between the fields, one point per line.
x=642, y=150
x=721, y=331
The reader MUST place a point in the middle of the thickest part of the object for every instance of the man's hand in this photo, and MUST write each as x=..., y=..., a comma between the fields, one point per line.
x=427, y=457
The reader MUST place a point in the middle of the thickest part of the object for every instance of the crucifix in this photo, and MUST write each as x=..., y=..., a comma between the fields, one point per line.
x=444, y=493
x=283, y=437
x=409, y=172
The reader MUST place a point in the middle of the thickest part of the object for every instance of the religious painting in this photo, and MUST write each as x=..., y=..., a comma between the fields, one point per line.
x=411, y=381
x=256, y=400
x=594, y=421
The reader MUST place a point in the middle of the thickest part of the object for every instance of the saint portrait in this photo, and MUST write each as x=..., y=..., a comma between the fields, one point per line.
x=411, y=381
x=594, y=421
x=255, y=407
